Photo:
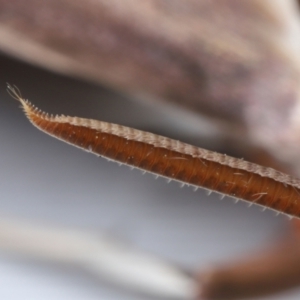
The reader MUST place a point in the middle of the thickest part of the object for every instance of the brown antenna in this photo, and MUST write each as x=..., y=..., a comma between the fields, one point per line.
x=173, y=159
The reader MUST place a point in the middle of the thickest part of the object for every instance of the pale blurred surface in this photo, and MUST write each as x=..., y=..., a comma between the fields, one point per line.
x=48, y=182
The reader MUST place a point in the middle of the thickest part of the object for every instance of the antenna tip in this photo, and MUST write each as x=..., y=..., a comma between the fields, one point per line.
x=14, y=91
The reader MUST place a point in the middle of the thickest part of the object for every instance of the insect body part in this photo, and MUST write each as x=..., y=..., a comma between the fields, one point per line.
x=172, y=159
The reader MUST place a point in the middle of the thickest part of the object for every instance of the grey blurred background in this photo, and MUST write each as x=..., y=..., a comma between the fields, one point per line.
x=48, y=182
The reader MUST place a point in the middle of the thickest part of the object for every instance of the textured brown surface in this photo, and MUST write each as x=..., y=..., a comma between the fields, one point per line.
x=234, y=61
x=181, y=52
x=172, y=159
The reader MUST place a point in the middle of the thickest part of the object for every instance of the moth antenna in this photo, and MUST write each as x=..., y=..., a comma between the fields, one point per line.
x=196, y=165
x=14, y=91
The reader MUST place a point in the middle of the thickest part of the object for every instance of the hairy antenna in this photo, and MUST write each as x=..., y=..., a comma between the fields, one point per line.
x=172, y=159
